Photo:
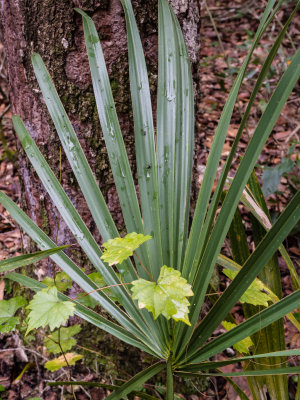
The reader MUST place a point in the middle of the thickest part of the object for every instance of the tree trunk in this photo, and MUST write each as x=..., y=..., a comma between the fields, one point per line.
x=53, y=29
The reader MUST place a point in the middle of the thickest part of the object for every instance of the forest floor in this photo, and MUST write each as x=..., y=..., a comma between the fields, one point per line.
x=223, y=48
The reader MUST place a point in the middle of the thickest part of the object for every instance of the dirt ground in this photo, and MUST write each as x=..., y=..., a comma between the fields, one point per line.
x=223, y=48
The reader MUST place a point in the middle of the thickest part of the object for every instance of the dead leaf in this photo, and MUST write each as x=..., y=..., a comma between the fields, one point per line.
x=295, y=250
x=281, y=135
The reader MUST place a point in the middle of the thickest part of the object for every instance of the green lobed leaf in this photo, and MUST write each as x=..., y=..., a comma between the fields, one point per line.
x=271, y=176
x=7, y=311
x=253, y=294
x=47, y=309
x=8, y=324
x=118, y=249
x=88, y=315
x=60, y=362
x=62, y=281
x=64, y=336
x=243, y=345
x=166, y=297
x=9, y=307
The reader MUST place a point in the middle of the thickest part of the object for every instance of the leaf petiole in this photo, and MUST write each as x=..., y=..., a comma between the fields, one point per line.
x=145, y=269
x=102, y=288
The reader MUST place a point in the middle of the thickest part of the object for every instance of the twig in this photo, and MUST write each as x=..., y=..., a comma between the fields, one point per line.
x=293, y=133
x=145, y=269
x=25, y=349
x=4, y=112
x=83, y=389
x=102, y=288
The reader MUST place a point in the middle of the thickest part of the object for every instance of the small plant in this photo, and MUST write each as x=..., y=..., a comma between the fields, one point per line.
x=8, y=308
x=157, y=287
x=271, y=176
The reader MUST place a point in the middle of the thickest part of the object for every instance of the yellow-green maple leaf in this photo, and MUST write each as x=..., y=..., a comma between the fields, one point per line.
x=47, y=309
x=167, y=297
x=242, y=346
x=118, y=249
x=57, y=363
x=253, y=295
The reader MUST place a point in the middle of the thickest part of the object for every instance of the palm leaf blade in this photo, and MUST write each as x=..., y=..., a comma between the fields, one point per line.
x=137, y=380
x=144, y=139
x=74, y=152
x=25, y=259
x=112, y=133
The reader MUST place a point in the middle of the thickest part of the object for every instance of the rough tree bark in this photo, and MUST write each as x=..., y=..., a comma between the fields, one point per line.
x=53, y=29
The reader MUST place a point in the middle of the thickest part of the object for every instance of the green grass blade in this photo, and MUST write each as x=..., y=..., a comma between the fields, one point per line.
x=74, y=152
x=26, y=259
x=247, y=328
x=221, y=227
x=71, y=269
x=136, y=381
x=204, y=366
x=174, y=135
x=86, y=314
x=262, y=372
x=144, y=139
x=112, y=134
x=247, y=274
